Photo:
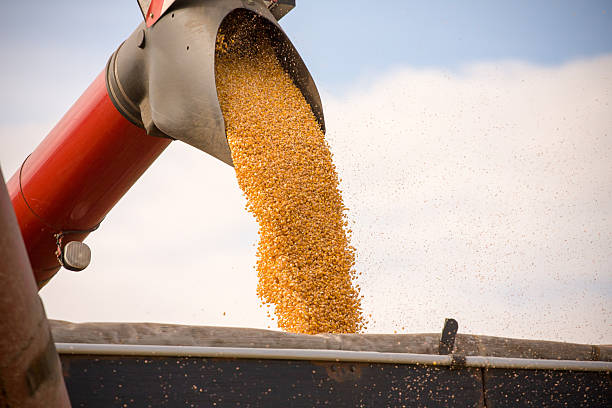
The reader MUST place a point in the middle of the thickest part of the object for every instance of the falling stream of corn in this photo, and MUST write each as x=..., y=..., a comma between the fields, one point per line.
x=305, y=263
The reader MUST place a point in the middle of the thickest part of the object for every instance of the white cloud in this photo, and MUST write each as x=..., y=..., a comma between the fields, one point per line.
x=484, y=195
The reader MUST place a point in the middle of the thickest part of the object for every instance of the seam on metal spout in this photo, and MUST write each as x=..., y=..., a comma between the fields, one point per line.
x=117, y=94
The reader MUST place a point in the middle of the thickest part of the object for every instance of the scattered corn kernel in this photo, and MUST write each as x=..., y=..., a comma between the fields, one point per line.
x=305, y=263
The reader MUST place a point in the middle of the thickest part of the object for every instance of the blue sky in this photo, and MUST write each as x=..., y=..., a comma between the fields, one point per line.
x=474, y=139
x=342, y=41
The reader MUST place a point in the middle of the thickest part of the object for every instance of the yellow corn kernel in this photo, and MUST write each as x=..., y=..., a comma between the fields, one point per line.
x=305, y=263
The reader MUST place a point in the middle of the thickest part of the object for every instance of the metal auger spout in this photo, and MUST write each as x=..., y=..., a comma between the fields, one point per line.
x=162, y=78
x=157, y=87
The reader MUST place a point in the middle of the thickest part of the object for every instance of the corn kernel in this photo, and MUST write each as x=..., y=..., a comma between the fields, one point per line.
x=305, y=263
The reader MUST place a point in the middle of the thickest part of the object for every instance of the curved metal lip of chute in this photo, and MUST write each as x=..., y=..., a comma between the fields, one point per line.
x=162, y=78
x=290, y=60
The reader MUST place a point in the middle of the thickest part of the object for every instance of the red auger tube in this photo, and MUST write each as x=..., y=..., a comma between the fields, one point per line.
x=77, y=174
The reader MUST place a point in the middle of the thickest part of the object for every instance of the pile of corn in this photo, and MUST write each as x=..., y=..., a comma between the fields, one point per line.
x=305, y=263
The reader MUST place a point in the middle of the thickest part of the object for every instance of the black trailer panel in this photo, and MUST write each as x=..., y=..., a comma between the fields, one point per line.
x=545, y=388
x=158, y=365
x=117, y=381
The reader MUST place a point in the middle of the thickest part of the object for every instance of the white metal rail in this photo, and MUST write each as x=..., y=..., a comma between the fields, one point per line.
x=330, y=355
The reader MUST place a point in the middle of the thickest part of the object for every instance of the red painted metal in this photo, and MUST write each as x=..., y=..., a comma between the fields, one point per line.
x=77, y=174
x=156, y=8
